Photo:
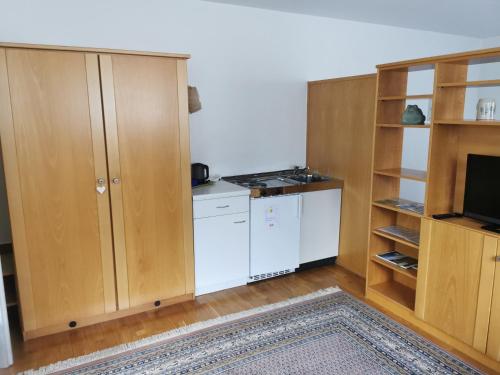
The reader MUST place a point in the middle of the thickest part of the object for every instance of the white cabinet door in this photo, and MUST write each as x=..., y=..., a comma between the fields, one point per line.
x=320, y=225
x=221, y=252
x=275, y=234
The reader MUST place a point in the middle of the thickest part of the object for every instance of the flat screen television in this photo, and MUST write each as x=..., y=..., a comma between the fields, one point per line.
x=482, y=189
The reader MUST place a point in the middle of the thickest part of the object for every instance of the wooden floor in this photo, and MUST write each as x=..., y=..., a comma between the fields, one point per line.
x=43, y=351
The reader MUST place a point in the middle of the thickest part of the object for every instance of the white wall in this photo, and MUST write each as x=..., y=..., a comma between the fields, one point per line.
x=250, y=65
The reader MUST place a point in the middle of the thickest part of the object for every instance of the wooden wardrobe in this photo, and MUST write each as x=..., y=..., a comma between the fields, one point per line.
x=96, y=156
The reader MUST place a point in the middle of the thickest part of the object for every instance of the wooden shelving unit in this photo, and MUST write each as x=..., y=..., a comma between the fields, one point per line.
x=425, y=126
x=396, y=209
x=397, y=292
x=390, y=282
x=467, y=122
x=484, y=83
x=405, y=97
x=448, y=249
x=409, y=272
x=409, y=174
x=452, y=137
x=394, y=238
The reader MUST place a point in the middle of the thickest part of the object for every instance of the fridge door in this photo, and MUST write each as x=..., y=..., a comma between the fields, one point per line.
x=5, y=346
x=274, y=234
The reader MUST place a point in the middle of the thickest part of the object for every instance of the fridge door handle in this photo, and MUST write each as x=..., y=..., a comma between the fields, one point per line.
x=299, y=206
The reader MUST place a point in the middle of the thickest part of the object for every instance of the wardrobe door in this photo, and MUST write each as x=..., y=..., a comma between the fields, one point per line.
x=151, y=222
x=54, y=153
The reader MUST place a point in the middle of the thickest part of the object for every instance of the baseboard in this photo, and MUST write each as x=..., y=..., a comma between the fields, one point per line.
x=316, y=263
x=91, y=320
x=220, y=286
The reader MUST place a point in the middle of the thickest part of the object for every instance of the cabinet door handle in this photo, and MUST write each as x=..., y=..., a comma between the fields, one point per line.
x=226, y=206
x=239, y=222
x=497, y=258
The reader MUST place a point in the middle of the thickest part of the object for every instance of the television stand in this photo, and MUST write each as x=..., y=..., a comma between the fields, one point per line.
x=491, y=227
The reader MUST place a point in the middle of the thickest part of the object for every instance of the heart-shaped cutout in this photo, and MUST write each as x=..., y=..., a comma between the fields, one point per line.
x=101, y=189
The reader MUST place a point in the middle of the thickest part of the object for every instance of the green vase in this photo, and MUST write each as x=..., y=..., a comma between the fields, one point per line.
x=413, y=115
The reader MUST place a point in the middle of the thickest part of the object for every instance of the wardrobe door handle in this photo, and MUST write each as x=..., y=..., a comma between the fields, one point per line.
x=497, y=259
x=239, y=222
x=226, y=206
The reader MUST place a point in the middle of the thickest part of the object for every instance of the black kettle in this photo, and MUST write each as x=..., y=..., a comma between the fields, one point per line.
x=199, y=174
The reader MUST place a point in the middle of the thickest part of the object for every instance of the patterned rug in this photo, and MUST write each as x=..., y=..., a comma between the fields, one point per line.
x=327, y=332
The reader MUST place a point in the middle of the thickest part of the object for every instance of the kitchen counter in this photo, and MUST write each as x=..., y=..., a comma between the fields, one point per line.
x=289, y=181
x=333, y=183
x=218, y=189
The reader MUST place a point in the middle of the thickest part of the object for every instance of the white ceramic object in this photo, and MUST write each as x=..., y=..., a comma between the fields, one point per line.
x=486, y=109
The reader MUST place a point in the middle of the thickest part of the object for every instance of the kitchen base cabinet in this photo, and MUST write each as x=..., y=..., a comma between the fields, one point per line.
x=221, y=252
x=221, y=236
x=320, y=225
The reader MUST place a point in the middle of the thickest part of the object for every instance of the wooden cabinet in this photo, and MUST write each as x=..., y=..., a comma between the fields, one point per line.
x=340, y=116
x=455, y=282
x=72, y=228
x=142, y=130
x=222, y=252
x=221, y=236
x=493, y=346
x=50, y=150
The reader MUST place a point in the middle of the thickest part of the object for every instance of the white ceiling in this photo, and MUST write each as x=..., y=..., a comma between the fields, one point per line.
x=475, y=18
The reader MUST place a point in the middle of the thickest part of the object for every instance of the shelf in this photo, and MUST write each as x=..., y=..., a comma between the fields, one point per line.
x=425, y=126
x=491, y=123
x=10, y=292
x=397, y=209
x=395, y=238
x=410, y=273
x=409, y=174
x=7, y=260
x=491, y=82
x=397, y=292
x=405, y=97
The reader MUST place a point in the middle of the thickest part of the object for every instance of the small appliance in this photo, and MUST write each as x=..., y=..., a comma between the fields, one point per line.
x=199, y=174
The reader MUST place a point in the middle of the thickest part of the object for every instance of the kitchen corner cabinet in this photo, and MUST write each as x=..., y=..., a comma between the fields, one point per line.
x=96, y=157
x=458, y=284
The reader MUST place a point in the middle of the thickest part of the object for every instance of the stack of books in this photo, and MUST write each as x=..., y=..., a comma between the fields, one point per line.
x=399, y=260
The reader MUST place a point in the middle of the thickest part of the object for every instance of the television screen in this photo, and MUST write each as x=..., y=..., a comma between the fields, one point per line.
x=482, y=188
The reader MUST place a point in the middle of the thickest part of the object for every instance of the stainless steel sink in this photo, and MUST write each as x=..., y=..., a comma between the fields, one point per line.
x=307, y=178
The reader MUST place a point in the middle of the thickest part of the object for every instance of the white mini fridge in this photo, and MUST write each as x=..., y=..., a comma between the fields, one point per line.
x=274, y=235
x=5, y=346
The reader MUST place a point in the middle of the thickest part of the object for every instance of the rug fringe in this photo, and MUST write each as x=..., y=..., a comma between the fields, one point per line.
x=78, y=361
